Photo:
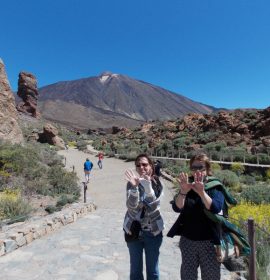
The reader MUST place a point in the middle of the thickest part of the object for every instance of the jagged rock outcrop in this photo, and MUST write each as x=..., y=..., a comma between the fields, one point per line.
x=146, y=127
x=50, y=136
x=9, y=128
x=27, y=90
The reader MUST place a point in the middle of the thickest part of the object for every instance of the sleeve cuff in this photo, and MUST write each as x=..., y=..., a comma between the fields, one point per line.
x=134, y=190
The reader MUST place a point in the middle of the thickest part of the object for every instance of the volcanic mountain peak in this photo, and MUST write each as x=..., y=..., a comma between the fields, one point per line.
x=104, y=76
x=124, y=101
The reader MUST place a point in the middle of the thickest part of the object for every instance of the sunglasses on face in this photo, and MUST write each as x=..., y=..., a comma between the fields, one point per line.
x=142, y=164
x=198, y=168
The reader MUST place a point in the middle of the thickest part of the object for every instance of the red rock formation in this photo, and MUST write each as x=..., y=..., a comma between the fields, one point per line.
x=27, y=90
x=50, y=135
x=146, y=127
x=9, y=128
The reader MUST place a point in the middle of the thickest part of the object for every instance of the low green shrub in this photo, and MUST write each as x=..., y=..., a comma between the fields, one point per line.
x=215, y=166
x=267, y=174
x=62, y=201
x=257, y=175
x=65, y=199
x=257, y=194
x=174, y=169
x=131, y=156
x=82, y=145
x=229, y=179
x=262, y=255
x=62, y=181
x=247, y=179
x=238, y=168
x=13, y=206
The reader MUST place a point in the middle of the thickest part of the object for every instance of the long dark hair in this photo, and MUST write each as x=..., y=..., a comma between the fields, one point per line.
x=156, y=184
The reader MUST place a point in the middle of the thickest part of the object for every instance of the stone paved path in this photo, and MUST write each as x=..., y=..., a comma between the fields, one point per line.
x=92, y=248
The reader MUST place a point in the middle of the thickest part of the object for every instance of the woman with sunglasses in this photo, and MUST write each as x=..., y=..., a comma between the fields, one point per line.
x=143, y=203
x=198, y=233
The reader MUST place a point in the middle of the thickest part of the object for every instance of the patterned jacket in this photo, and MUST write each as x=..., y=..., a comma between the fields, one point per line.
x=145, y=209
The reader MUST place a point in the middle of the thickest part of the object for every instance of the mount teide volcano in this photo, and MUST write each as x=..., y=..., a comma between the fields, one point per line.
x=112, y=100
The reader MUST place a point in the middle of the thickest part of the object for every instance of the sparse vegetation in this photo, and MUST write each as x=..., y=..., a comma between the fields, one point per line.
x=256, y=194
x=13, y=206
x=31, y=169
x=229, y=179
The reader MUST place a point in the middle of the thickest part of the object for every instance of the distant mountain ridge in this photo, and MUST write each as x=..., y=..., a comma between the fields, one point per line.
x=112, y=99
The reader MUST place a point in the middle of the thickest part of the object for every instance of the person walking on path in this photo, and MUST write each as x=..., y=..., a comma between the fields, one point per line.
x=143, y=202
x=100, y=159
x=88, y=165
x=198, y=232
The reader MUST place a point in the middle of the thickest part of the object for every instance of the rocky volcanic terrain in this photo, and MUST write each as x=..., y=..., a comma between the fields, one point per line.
x=248, y=129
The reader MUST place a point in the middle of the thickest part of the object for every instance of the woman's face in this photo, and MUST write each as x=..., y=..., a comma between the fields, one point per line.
x=198, y=166
x=143, y=167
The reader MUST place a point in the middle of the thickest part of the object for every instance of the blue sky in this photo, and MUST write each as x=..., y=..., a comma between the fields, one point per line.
x=213, y=51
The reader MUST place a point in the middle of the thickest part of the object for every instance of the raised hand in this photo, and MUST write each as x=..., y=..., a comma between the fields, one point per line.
x=146, y=177
x=131, y=177
x=184, y=185
x=198, y=185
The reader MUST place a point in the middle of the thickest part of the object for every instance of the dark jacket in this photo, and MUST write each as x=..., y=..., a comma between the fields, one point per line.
x=192, y=222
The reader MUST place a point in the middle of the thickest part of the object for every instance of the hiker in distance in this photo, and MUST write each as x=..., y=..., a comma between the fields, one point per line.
x=143, y=223
x=198, y=232
x=87, y=166
x=100, y=159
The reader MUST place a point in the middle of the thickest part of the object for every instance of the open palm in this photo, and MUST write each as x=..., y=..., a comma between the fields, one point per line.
x=185, y=186
x=132, y=178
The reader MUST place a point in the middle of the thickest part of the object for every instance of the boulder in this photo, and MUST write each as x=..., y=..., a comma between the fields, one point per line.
x=242, y=129
x=50, y=136
x=9, y=127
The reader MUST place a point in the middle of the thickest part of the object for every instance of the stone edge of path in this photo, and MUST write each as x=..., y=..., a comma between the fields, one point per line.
x=17, y=235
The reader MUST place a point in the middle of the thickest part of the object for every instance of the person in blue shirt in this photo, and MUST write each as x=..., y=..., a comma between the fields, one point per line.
x=88, y=165
x=198, y=233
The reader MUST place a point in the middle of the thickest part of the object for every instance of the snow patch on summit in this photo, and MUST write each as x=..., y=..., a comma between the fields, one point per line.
x=105, y=76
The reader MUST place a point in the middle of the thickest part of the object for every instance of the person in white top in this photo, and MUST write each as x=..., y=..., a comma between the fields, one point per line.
x=143, y=223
